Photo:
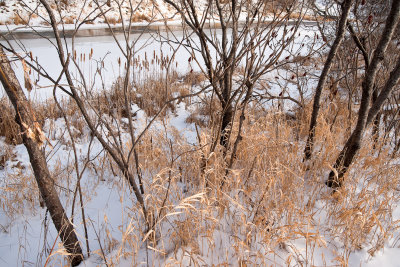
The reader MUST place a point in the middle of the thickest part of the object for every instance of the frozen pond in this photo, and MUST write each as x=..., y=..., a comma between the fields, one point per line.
x=92, y=53
x=103, y=52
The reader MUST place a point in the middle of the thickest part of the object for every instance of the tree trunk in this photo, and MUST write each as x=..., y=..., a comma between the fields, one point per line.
x=226, y=122
x=375, y=127
x=366, y=114
x=346, y=6
x=227, y=109
x=33, y=138
x=361, y=46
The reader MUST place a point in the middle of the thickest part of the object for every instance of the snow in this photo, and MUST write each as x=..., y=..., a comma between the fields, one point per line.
x=110, y=208
x=104, y=49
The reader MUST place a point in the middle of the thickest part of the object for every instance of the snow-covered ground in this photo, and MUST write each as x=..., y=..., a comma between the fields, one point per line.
x=27, y=238
x=16, y=13
x=20, y=15
x=111, y=211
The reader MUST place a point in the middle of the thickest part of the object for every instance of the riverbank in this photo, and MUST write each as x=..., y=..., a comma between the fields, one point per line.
x=102, y=29
x=28, y=19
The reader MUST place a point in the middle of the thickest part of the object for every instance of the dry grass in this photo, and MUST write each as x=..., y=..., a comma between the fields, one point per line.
x=140, y=17
x=19, y=194
x=153, y=87
x=271, y=210
x=205, y=115
x=69, y=19
x=295, y=15
x=18, y=20
x=269, y=201
x=113, y=20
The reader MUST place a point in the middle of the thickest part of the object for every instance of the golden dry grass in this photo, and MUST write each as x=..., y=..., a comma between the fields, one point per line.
x=19, y=20
x=138, y=17
x=268, y=196
x=270, y=200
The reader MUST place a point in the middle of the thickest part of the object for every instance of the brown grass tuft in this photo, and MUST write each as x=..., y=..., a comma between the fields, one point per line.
x=140, y=17
x=113, y=20
x=18, y=20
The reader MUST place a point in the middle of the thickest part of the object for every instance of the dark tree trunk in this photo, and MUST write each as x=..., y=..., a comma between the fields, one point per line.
x=227, y=109
x=32, y=138
x=366, y=114
x=346, y=6
x=361, y=46
x=376, y=124
x=225, y=125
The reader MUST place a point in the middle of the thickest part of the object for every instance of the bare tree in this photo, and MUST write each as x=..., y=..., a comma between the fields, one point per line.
x=108, y=130
x=255, y=46
x=33, y=139
x=116, y=152
x=366, y=114
x=341, y=30
x=365, y=31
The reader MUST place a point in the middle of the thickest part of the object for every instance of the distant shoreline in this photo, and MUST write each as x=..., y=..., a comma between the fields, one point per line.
x=34, y=32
